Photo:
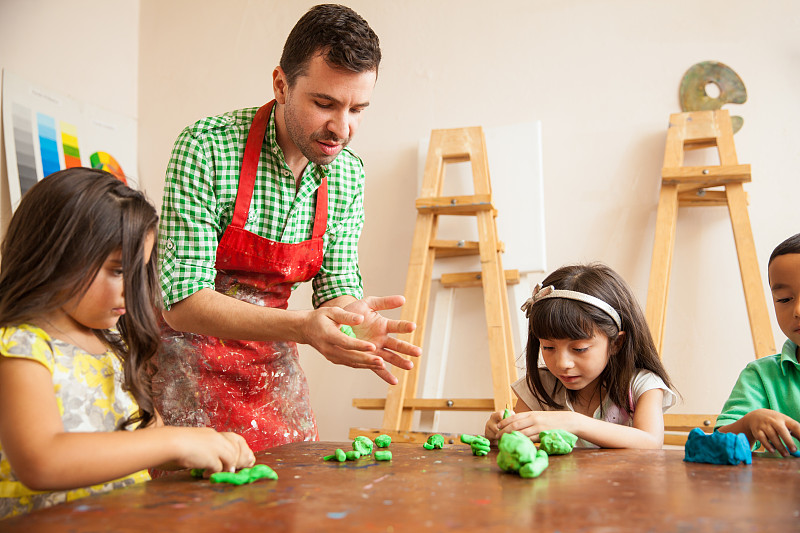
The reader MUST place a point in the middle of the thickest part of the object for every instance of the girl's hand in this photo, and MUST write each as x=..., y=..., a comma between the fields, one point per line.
x=531, y=423
x=212, y=451
x=491, y=431
x=773, y=429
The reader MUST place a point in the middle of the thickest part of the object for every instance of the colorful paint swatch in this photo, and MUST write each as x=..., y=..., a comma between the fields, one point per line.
x=23, y=143
x=69, y=142
x=48, y=145
x=104, y=161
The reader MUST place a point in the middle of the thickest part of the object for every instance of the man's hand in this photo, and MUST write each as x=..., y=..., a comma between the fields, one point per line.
x=373, y=344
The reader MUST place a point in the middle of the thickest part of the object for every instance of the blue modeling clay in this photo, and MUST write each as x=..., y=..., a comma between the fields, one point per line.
x=796, y=454
x=717, y=448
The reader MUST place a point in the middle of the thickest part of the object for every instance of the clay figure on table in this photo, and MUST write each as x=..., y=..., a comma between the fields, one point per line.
x=479, y=445
x=557, y=441
x=765, y=401
x=245, y=475
x=256, y=201
x=517, y=453
x=434, y=442
x=383, y=441
x=362, y=445
x=78, y=302
x=602, y=378
x=717, y=448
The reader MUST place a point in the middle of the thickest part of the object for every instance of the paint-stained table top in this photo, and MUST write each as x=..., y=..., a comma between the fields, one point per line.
x=450, y=489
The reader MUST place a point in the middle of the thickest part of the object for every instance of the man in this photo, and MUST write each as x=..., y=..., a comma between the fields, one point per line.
x=257, y=201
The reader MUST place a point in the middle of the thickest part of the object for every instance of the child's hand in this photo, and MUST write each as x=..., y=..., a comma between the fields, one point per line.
x=491, y=432
x=773, y=429
x=531, y=423
x=212, y=451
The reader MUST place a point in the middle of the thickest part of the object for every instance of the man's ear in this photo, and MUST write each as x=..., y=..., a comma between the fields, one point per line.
x=279, y=85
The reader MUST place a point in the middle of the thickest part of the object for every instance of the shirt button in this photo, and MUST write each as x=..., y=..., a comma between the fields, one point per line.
x=170, y=245
x=287, y=173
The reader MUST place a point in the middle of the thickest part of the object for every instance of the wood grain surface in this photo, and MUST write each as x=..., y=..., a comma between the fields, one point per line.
x=450, y=490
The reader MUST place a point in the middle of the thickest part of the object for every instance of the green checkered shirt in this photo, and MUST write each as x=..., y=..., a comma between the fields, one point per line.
x=200, y=195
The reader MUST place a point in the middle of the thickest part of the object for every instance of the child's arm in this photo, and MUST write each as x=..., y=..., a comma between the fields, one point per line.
x=647, y=430
x=45, y=457
x=773, y=429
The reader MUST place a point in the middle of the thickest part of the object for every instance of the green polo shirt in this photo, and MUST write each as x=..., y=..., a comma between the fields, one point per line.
x=200, y=195
x=771, y=382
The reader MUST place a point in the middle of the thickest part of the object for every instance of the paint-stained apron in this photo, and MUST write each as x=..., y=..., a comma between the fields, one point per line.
x=255, y=389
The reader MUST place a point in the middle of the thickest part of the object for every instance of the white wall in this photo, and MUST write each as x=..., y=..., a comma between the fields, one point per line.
x=87, y=50
x=601, y=76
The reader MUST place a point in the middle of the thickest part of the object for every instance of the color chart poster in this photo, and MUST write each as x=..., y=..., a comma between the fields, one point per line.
x=46, y=131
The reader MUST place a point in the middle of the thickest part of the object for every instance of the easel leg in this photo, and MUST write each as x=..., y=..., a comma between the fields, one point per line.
x=757, y=313
x=664, y=244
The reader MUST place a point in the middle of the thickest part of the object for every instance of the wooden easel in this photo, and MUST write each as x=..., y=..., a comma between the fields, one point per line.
x=686, y=186
x=452, y=146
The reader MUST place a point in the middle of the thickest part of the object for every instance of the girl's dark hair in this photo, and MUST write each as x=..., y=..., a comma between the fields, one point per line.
x=559, y=318
x=789, y=246
x=339, y=33
x=63, y=231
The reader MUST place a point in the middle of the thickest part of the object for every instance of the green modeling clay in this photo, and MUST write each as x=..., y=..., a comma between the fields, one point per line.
x=383, y=441
x=557, y=441
x=535, y=467
x=347, y=330
x=516, y=450
x=245, y=475
x=507, y=413
x=197, y=472
x=480, y=445
x=434, y=441
x=362, y=445
x=383, y=455
x=352, y=455
x=338, y=455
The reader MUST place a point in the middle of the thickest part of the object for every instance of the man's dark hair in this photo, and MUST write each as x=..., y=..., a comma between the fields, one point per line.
x=339, y=33
x=789, y=246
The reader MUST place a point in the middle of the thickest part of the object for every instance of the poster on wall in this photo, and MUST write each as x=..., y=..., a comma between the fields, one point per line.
x=46, y=132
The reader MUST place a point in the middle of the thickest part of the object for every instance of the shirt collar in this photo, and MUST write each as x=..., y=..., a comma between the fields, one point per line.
x=789, y=356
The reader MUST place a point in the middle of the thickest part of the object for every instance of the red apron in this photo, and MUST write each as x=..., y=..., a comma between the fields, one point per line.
x=255, y=389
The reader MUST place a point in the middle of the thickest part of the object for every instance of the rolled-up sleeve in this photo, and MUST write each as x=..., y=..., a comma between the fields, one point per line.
x=189, y=228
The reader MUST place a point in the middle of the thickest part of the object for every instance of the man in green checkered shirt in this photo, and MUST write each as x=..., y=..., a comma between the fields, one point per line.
x=322, y=87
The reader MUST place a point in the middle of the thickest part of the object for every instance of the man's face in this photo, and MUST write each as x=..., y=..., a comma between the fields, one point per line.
x=784, y=281
x=323, y=109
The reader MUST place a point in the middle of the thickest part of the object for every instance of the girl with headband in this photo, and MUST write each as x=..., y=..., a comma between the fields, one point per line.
x=601, y=377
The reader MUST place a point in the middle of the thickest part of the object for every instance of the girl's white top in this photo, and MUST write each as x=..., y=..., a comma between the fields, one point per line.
x=643, y=381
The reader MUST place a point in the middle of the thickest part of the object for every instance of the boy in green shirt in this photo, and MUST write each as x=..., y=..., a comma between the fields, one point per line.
x=765, y=402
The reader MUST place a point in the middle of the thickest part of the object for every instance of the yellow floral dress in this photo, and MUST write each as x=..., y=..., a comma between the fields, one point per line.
x=90, y=398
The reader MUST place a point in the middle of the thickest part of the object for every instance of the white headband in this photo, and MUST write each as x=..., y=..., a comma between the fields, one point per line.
x=542, y=293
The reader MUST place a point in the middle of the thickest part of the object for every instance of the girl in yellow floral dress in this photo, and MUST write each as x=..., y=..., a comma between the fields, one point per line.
x=78, y=303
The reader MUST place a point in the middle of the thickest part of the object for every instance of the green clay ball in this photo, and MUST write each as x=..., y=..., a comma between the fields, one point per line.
x=557, y=441
x=362, y=445
x=383, y=441
x=434, y=442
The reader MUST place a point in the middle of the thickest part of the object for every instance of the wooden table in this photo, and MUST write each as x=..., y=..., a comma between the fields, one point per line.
x=450, y=489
